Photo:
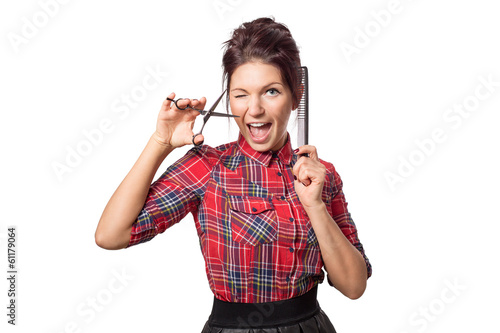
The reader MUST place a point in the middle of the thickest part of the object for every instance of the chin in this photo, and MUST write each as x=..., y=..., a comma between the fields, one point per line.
x=266, y=146
x=260, y=147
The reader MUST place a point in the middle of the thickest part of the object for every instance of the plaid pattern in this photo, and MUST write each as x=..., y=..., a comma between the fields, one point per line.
x=257, y=241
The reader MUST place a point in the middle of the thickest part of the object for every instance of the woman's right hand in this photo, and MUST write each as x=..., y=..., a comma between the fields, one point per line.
x=174, y=127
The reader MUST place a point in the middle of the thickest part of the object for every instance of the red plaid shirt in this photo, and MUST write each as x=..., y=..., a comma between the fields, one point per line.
x=257, y=241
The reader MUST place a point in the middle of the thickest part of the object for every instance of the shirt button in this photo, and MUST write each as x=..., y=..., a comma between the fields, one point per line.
x=291, y=219
x=254, y=209
x=280, y=174
x=291, y=249
x=282, y=197
x=287, y=279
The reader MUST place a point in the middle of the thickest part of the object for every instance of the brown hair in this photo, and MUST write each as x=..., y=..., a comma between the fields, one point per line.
x=266, y=41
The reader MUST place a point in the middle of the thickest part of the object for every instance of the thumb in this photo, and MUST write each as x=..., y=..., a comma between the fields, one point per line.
x=198, y=139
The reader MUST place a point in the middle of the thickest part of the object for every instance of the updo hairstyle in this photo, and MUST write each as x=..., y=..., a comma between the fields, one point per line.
x=264, y=40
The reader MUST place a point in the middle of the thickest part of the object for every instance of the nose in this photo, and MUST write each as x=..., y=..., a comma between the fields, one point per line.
x=255, y=107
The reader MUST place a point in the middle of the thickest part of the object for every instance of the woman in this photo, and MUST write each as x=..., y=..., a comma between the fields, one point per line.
x=267, y=217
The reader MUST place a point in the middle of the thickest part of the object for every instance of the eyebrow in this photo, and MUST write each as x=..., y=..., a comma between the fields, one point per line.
x=263, y=88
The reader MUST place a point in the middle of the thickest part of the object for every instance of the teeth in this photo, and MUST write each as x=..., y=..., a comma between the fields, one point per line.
x=257, y=124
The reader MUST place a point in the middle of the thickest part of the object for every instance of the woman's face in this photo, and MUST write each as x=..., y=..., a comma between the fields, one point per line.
x=263, y=101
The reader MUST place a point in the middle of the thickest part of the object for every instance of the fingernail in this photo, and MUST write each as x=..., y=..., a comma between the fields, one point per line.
x=296, y=151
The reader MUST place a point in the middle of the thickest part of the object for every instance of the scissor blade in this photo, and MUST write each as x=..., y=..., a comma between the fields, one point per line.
x=212, y=108
x=218, y=114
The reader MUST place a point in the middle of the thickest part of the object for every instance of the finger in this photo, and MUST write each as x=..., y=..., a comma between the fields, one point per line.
x=199, y=104
x=296, y=167
x=309, y=150
x=182, y=103
x=303, y=179
x=298, y=172
x=308, y=170
x=166, y=103
x=301, y=163
x=309, y=174
x=171, y=96
x=304, y=175
x=198, y=139
x=301, y=152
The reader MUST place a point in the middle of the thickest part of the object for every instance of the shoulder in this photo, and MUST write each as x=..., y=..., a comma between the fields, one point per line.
x=194, y=167
x=330, y=168
x=332, y=177
x=210, y=155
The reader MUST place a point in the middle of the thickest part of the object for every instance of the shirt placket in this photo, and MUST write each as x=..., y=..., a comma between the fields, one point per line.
x=286, y=229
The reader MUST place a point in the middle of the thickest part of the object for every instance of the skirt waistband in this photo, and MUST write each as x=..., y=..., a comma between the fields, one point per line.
x=269, y=314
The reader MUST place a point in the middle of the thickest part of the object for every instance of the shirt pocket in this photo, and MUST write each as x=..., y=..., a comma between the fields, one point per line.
x=253, y=220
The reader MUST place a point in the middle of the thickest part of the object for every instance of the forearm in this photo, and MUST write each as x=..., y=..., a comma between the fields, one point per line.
x=344, y=263
x=115, y=225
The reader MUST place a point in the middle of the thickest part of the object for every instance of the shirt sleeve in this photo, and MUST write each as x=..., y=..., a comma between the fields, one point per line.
x=343, y=218
x=170, y=198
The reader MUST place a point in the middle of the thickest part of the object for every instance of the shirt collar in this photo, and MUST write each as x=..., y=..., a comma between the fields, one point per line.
x=284, y=154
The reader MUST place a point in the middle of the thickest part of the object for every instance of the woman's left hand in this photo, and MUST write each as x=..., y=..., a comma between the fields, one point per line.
x=310, y=176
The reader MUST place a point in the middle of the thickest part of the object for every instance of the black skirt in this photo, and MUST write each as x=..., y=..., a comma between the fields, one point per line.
x=296, y=315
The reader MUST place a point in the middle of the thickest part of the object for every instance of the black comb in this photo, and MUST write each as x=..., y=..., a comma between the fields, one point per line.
x=303, y=109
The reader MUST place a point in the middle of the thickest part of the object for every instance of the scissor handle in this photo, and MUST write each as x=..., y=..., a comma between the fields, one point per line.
x=205, y=118
x=194, y=143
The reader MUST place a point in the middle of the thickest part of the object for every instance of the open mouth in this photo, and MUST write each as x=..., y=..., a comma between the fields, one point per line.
x=259, y=131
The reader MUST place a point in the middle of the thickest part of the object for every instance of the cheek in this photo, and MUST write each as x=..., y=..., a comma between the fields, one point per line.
x=284, y=117
x=236, y=107
x=239, y=122
x=237, y=111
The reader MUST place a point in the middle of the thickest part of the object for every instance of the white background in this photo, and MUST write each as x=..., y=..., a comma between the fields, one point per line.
x=437, y=226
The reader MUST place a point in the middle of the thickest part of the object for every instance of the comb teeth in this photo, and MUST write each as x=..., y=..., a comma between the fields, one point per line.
x=303, y=109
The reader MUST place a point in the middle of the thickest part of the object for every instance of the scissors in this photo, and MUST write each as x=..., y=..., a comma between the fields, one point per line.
x=207, y=114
